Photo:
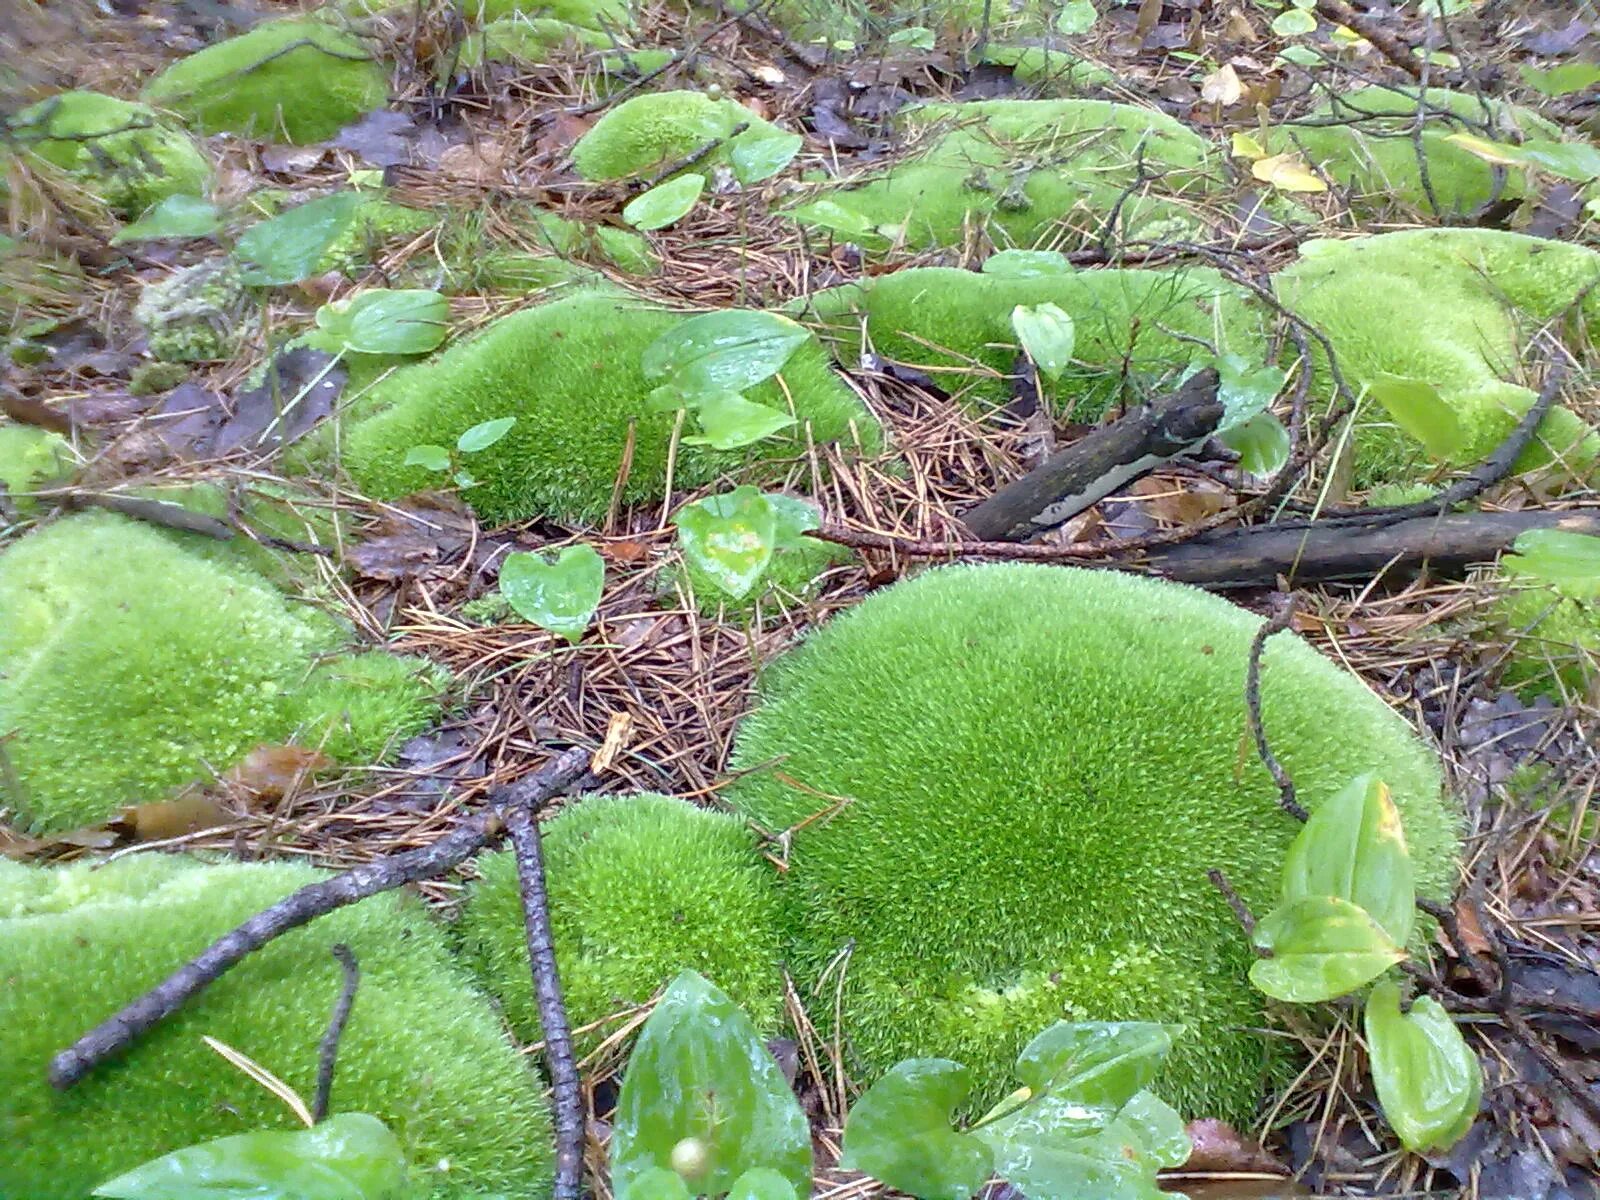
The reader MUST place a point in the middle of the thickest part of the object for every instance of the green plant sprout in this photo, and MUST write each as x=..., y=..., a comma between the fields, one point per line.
x=731, y=539
x=560, y=596
x=705, y=364
x=480, y=437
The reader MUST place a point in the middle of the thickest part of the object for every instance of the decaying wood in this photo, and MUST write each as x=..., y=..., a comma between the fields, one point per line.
x=1100, y=463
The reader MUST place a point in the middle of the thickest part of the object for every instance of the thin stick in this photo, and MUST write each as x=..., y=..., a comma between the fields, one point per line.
x=328, y=1050
x=1241, y=910
x=566, y=1087
x=1252, y=702
x=1374, y=30
x=119, y=1031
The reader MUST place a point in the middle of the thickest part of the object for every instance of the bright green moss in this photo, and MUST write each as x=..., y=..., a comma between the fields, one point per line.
x=120, y=151
x=423, y=1051
x=957, y=326
x=641, y=887
x=1041, y=764
x=1554, y=640
x=590, y=14
x=518, y=39
x=300, y=79
x=30, y=458
x=569, y=371
x=645, y=132
x=361, y=707
x=1027, y=170
x=1454, y=307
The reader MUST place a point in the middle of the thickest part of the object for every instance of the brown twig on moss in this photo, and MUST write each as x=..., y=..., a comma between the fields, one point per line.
x=328, y=1049
x=119, y=1031
x=1280, y=621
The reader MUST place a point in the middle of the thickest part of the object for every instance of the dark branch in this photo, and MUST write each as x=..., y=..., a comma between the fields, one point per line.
x=1252, y=703
x=328, y=1051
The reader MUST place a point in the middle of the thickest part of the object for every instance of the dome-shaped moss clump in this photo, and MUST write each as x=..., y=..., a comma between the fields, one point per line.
x=1040, y=764
x=300, y=79
x=423, y=1051
x=120, y=151
x=641, y=888
x=646, y=131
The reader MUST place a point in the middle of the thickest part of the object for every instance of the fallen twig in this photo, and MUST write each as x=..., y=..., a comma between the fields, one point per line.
x=1375, y=31
x=1280, y=621
x=117, y=1032
x=328, y=1050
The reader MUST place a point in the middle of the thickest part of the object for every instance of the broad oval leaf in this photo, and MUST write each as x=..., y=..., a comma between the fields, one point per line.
x=701, y=1070
x=1245, y=388
x=1159, y=1128
x=434, y=458
x=792, y=518
x=1562, y=80
x=351, y=1156
x=388, y=321
x=728, y=421
x=1027, y=264
x=1577, y=161
x=1076, y=16
x=287, y=248
x=1354, y=848
x=1293, y=22
x=763, y=158
x=836, y=218
x=1099, y=1064
x=177, y=216
x=1322, y=948
x=1419, y=410
x=665, y=203
x=1501, y=154
x=1428, y=1080
x=1038, y=1152
x=1568, y=562
x=659, y=1183
x=1261, y=442
x=484, y=434
x=560, y=596
x=1287, y=173
x=725, y=351
x=761, y=1183
x=900, y=1132
x=729, y=537
x=1047, y=335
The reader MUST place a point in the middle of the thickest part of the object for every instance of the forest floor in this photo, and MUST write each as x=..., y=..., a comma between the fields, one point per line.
x=666, y=683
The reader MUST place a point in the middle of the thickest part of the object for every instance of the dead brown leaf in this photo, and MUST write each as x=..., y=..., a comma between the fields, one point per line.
x=1218, y=1147
x=165, y=819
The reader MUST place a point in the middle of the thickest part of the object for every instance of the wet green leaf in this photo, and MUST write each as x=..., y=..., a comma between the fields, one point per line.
x=665, y=203
x=560, y=596
x=762, y=1183
x=434, y=458
x=728, y=421
x=1159, y=1128
x=1293, y=22
x=730, y=350
x=917, y=37
x=900, y=1132
x=658, y=1183
x=763, y=158
x=1353, y=848
x=1261, y=442
x=465, y=478
x=1026, y=264
x=1322, y=947
x=1045, y=1150
x=1578, y=161
x=1417, y=407
x=1101, y=1064
x=1076, y=16
x=1428, y=1080
x=791, y=519
x=387, y=321
x=700, y=1070
x=484, y=434
x=730, y=537
x=1245, y=388
x=1562, y=80
x=836, y=218
x=351, y=1156
x=287, y=248
x=1568, y=562
x=177, y=216
x=1047, y=335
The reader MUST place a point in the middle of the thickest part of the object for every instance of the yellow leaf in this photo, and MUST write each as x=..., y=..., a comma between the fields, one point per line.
x=1492, y=152
x=1287, y=173
x=1222, y=86
x=1245, y=146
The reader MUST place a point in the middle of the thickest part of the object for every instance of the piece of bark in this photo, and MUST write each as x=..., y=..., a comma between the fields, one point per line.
x=1258, y=556
x=1100, y=463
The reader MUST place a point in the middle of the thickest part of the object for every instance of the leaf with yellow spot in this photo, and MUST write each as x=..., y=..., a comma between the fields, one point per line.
x=1287, y=173
x=1245, y=146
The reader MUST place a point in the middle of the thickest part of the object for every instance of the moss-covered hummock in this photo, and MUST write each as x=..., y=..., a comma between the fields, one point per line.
x=29, y=458
x=644, y=132
x=1454, y=307
x=956, y=325
x=570, y=372
x=300, y=79
x=523, y=39
x=641, y=888
x=598, y=15
x=1040, y=765
x=1554, y=640
x=120, y=151
x=130, y=666
x=1025, y=170
x=201, y=313
x=422, y=1051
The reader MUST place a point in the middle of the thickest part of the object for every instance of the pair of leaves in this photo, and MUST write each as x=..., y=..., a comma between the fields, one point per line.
x=731, y=538
x=288, y=248
x=704, y=1109
x=1248, y=428
x=1047, y=335
x=1428, y=1079
x=1577, y=161
x=1083, y=1123
x=1285, y=172
x=1568, y=562
x=351, y=1156
x=706, y=362
x=386, y=321
x=480, y=437
x=177, y=216
x=560, y=596
x=1348, y=900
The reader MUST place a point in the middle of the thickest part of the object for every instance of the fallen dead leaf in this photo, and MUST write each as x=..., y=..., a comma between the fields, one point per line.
x=1222, y=87
x=1287, y=173
x=163, y=819
x=273, y=772
x=1217, y=1147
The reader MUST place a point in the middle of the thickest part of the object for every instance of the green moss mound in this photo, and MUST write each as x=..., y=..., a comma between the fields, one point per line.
x=1454, y=307
x=520, y=39
x=641, y=887
x=30, y=458
x=1554, y=639
x=569, y=371
x=423, y=1051
x=119, y=150
x=1050, y=71
x=1025, y=171
x=1042, y=763
x=200, y=313
x=362, y=706
x=646, y=131
x=301, y=79
x=590, y=14
x=956, y=325
x=130, y=666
